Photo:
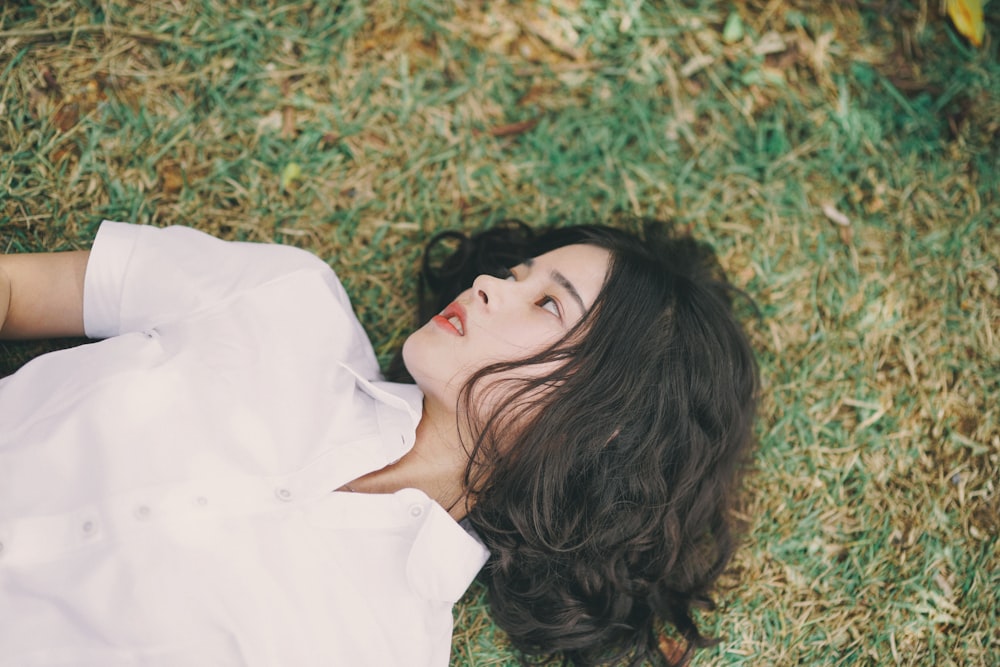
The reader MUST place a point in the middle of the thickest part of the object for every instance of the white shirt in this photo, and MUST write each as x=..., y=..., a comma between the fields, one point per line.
x=167, y=494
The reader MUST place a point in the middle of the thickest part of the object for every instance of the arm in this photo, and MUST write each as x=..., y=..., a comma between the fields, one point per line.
x=41, y=295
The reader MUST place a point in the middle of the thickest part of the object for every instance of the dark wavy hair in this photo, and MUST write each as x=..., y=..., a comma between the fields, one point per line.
x=607, y=508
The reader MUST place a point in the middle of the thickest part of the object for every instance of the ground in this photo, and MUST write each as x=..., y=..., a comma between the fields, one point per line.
x=842, y=158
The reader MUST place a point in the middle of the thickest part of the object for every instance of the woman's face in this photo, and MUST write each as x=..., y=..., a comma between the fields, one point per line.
x=505, y=319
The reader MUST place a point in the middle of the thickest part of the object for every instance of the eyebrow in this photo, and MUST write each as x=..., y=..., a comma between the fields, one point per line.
x=563, y=282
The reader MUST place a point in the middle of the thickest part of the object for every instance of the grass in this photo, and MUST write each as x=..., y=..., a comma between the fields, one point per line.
x=874, y=505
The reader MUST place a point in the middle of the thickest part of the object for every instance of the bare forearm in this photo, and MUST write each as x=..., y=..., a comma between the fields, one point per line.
x=4, y=296
x=41, y=295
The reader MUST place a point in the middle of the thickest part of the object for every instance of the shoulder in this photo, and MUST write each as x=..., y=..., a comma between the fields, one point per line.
x=139, y=276
x=187, y=246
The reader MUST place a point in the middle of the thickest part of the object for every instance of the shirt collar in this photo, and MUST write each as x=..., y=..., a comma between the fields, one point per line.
x=407, y=397
x=444, y=558
x=399, y=408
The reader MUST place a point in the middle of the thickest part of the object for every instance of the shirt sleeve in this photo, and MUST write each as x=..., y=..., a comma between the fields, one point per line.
x=140, y=276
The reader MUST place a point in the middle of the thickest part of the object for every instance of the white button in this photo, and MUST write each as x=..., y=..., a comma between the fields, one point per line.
x=142, y=512
x=1, y=548
x=283, y=494
x=201, y=501
x=89, y=527
x=416, y=510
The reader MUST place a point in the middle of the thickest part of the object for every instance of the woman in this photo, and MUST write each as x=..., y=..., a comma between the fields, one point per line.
x=225, y=479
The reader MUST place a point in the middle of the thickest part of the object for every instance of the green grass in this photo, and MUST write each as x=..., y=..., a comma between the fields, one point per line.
x=874, y=502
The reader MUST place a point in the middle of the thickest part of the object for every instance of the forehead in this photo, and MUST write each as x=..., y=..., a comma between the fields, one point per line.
x=583, y=266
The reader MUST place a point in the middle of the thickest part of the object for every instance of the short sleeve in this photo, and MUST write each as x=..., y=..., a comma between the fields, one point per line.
x=141, y=276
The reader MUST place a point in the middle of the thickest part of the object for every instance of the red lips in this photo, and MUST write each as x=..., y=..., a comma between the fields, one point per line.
x=452, y=319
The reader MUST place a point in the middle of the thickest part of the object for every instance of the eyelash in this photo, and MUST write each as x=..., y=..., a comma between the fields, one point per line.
x=546, y=300
x=543, y=302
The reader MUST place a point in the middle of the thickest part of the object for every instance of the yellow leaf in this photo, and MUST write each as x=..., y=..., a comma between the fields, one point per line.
x=290, y=173
x=967, y=15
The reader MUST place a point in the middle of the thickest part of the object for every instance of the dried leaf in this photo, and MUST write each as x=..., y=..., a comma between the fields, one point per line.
x=514, y=128
x=819, y=57
x=846, y=235
x=93, y=94
x=271, y=121
x=770, y=43
x=287, y=112
x=376, y=142
x=287, y=122
x=671, y=649
x=171, y=177
x=696, y=64
x=51, y=85
x=967, y=15
x=67, y=116
x=553, y=29
x=835, y=216
x=70, y=150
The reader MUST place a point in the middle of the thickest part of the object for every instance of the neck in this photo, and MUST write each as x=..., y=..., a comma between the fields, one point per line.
x=435, y=464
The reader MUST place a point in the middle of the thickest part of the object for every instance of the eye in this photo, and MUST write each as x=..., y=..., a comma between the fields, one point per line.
x=507, y=274
x=550, y=304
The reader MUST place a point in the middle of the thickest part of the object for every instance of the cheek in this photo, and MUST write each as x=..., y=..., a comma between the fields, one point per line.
x=510, y=398
x=518, y=340
x=441, y=367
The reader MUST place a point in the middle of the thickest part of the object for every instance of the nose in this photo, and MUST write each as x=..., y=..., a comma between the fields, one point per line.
x=487, y=289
